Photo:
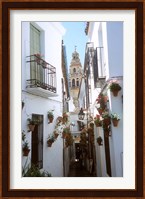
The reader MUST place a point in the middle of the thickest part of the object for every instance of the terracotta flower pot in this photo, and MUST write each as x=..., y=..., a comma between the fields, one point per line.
x=115, y=122
x=31, y=127
x=26, y=152
x=56, y=135
x=99, y=142
x=63, y=135
x=49, y=143
x=50, y=119
x=115, y=93
x=98, y=124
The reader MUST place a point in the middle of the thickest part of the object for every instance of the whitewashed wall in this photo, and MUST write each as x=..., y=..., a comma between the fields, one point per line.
x=51, y=49
x=112, y=41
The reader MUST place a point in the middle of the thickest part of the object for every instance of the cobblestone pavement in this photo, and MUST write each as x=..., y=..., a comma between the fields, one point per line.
x=76, y=170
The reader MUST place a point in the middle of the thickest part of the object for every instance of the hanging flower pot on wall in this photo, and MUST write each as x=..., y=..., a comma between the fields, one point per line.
x=99, y=141
x=26, y=149
x=50, y=140
x=49, y=143
x=115, y=119
x=50, y=116
x=31, y=127
x=56, y=134
x=115, y=88
x=115, y=122
x=98, y=121
x=26, y=152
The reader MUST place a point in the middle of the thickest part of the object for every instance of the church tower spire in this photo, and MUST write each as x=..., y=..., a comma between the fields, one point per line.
x=75, y=75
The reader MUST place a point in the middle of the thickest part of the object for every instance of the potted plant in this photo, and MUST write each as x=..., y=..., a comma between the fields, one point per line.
x=50, y=140
x=115, y=119
x=101, y=103
x=65, y=132
x=106, y=118
x=100, y=110
x=26, y=148
x=115, y=88
x=99, y=140
x=31, y=124
x=98, y=121
x=50, y=116
x=65, y=117
x=69, y=140
x=102, y=99
x=55, y=134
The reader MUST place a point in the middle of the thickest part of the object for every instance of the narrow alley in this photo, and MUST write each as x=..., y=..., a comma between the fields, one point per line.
x=72, y=115
x=77, y=170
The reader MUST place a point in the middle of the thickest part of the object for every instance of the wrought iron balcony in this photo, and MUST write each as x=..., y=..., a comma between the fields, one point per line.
x=42, y=79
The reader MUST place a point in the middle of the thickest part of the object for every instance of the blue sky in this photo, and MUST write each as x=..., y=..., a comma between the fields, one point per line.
x=75, y=36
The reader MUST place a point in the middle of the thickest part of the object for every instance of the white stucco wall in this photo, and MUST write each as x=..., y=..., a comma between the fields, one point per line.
x=115, y=48
x=51, y=49
x=112, y=41
x=116, y=139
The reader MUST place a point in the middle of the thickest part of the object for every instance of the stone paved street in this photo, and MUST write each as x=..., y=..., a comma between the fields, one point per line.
x=76, y=170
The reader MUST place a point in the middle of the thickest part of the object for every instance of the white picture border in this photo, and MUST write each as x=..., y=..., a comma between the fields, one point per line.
x=128, y=179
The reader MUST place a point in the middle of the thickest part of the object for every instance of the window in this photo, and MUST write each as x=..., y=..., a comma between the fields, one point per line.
x=74, y=70
x=35, y=72
x=73, y=83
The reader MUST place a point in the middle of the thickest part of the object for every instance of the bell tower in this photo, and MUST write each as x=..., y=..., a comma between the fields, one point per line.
x=75, y=75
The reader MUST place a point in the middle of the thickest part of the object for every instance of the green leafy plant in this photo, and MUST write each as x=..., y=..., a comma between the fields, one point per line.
x=114, y=86
x=34, y=171
x=50, y=114
x=23, y=135
x=26, y=145
x=98, y=121
x=105, y=115
x=102, y=98
x=115, y=116
x=99, y=140
x=33, y=121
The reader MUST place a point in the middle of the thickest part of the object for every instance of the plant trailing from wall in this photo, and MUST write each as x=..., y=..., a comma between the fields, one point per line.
x=69, y=140
x=99, y=140
x=26, y=148
x=102, y=101
x=115, y=88
x=65, y=117
x=66, y=131
x=50, y=140
x=115, y=119
x=100, y=110
x=50, y=115
x=98, y=121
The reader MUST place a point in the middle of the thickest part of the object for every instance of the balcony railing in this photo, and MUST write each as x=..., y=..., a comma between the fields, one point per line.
x=42, y=74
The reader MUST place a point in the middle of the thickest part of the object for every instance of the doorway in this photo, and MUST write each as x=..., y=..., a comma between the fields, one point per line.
x=37, y=142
